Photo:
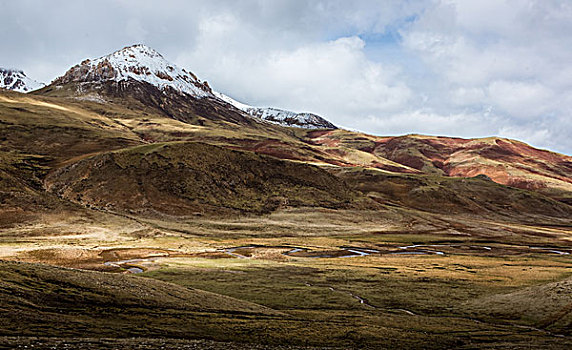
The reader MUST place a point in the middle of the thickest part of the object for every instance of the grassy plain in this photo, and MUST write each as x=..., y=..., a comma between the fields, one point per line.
x=393, y=298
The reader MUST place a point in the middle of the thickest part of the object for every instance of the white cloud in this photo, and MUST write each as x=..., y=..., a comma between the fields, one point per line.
x=463, y=124
x=467, y=96
x=134, y=29
x=334, y=78
x=536, y=136
x=510, y=56
x=521, y=99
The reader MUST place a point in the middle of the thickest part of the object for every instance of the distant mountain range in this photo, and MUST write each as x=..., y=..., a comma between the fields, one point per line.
x=137, y=97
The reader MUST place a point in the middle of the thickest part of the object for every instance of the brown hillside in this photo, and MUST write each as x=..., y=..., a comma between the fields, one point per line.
x=441, y=194
x=190, y=178
x=505, y=161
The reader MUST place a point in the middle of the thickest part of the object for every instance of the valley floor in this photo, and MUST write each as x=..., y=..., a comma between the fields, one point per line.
x=295, y=278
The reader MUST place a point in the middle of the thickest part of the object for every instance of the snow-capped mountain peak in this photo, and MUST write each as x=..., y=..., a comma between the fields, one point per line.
x=14, y=79
x=280, y=116
x=140, y=63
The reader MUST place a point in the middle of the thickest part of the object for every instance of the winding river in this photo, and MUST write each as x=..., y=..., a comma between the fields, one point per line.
x=414, y=249
x=139, y=265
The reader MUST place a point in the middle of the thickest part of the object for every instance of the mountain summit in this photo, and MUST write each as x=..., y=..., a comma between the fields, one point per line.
x=14, y=79
x=140, y=63
x=140, y=77
x=140, y=73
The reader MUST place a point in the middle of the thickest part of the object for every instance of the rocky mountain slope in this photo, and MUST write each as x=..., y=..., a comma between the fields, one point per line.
x=139, y=77
x=47, y=135
x=141, y=73
x=17, y=80
x=441, y=194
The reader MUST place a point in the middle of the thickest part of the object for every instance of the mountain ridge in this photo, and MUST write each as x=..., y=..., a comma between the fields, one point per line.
x=139, y=64
x=140, y=74
x=505, y=161
x=281, y=116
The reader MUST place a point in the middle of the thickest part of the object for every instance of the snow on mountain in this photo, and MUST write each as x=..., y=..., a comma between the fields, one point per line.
x=227, y=99
x=13, y=79
x=280, y=116
x=289, y=118
x=140, y=63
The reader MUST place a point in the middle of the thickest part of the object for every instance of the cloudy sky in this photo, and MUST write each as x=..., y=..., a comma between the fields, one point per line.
x=468, y=68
